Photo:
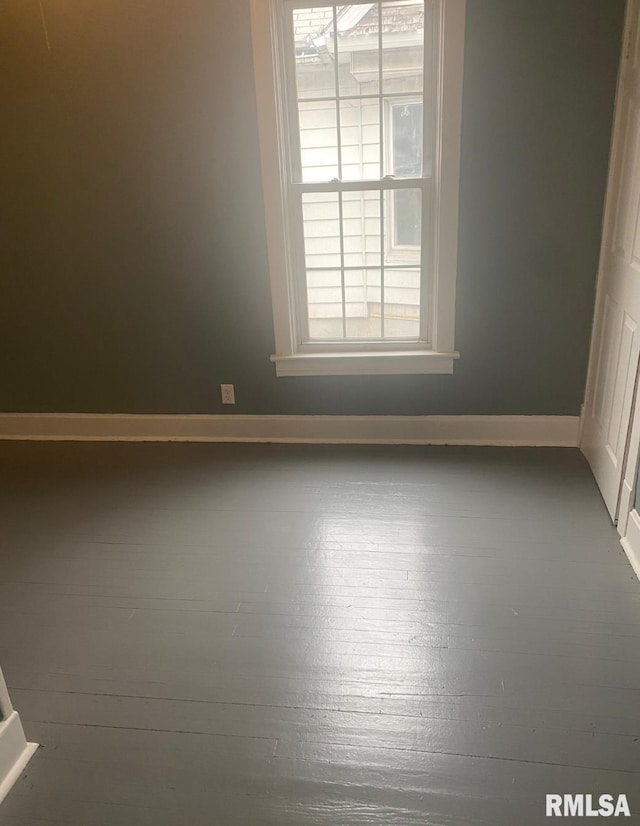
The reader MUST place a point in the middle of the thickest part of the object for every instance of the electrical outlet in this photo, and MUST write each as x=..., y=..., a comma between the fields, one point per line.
x=228, y=394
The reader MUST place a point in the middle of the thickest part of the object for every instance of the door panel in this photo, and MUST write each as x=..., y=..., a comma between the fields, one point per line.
x=615, y=352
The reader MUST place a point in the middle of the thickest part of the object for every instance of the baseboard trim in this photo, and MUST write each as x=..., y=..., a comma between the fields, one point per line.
x=631, y=542
x=542, y=431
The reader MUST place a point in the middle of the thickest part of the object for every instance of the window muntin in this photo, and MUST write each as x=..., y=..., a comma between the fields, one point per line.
x=357, y=272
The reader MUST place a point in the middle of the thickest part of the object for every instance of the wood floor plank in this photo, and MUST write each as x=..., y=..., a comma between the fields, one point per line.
x=293, y=635
x=325, y=784
x=291, y=726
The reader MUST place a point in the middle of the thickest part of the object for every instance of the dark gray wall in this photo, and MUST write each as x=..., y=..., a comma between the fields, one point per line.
x=132, y=242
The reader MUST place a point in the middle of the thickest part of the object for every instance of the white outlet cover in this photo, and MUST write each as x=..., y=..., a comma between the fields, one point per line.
x=227, y=393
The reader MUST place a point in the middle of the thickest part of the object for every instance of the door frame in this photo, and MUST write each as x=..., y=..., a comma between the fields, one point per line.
x=628, y=515
x=15, y=752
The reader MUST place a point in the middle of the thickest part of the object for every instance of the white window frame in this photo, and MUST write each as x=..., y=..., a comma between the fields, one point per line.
x=433, y=354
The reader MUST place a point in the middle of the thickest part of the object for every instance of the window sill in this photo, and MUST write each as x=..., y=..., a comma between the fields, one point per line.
x=403, y=362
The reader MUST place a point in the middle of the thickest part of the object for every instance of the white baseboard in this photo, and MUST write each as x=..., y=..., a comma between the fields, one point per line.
x=15, y=752
x=558, y=431
x=631, y=542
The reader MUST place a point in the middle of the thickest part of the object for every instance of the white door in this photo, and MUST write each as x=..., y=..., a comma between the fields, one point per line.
x=613, y=366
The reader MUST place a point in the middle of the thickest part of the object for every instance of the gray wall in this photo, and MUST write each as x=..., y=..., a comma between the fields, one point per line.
x=132, y=243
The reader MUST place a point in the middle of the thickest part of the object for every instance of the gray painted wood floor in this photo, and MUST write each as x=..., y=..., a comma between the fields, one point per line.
x=292, y=635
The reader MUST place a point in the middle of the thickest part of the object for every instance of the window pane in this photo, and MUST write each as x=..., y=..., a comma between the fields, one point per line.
x=324, y=302
x=360, y=133
x=318, y=141
x=363, y=74
x=313, y=42
x=361, y=227
x=401, y=303
x=321, y=224
x=402, y=47
x=406, y=140
x=363, y=308
x=407, y=229
x=359, y=50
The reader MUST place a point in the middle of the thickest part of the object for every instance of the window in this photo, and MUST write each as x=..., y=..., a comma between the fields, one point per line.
x=359, y=112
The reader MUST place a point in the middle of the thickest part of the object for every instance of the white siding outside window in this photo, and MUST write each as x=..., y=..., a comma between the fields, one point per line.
x=359, y=110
